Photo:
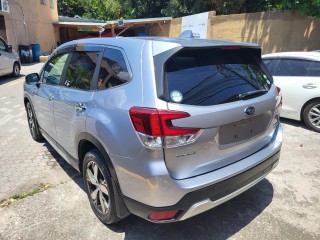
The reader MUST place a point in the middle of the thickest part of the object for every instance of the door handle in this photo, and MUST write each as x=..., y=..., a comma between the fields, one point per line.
x=309, y=86
x=50, y=97
x=80, y=107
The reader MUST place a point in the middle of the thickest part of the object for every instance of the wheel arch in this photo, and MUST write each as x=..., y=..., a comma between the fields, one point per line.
x=17, y=63
x=25, y=100
x=306, y=104
x=86, y=142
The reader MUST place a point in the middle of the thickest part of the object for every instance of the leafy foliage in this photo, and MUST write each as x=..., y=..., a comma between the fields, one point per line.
x=71, y=8
x=118, y=9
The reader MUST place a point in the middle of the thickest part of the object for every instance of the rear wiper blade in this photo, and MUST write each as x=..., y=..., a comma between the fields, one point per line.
x=246, y=95
x=252, y=93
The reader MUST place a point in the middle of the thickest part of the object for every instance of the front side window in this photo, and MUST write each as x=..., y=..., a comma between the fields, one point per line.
x=2, y=45
x=113, y=70
x=52, y=72
x=80, y=70
x=293, y=67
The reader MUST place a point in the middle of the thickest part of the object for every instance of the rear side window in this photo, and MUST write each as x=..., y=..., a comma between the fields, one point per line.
x=80, y=70
x=114, y=70
x=314, y=70
x=205, y=77
x=293, y=67
x=270, y=63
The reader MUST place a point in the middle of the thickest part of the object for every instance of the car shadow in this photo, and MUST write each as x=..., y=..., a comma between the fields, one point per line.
x=8, y=78
x=29, y=64
x=294, y=123
x=67, y=168
x=221, y=222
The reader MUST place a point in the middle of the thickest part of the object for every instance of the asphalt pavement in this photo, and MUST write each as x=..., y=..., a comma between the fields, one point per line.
x=285, y=205
x=24, y=163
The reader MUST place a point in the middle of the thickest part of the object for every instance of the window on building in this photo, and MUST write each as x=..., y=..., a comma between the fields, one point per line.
x=52, y=4
x=113, y=70
x=43, y=2
x=80, y=70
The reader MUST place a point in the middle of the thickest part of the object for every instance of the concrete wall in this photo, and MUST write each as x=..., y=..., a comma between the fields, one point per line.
x=274, y=31
x=37, y=28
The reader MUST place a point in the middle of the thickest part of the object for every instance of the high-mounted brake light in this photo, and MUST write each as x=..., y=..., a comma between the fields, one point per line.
x=155, y=128
x=230, y=47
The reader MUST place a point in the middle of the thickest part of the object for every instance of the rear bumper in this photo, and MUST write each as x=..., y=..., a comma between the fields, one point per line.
x=201, y=200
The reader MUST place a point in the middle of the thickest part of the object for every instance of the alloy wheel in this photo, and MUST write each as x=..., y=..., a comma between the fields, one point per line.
x=16, y=70
x=31, y=120
x=98, y=189
x=314, y=116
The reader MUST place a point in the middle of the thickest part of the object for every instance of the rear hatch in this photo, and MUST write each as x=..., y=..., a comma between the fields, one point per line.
x=229, y=95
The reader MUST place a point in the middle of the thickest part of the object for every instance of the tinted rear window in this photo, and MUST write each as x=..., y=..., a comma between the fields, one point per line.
x=207, y=77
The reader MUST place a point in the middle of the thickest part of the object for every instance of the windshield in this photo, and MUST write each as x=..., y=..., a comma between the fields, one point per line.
x=207, y=77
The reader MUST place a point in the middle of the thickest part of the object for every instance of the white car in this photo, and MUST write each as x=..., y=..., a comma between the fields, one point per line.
x=297, y=74
x=9, y=60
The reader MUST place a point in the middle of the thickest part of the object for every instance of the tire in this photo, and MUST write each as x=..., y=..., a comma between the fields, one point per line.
x=15, y=70
x=33, y=124
x=311, y=115
x=97, y=181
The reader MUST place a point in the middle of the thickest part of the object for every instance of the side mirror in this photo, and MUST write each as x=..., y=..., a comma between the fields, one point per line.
x=9, y=48
x=32, y=78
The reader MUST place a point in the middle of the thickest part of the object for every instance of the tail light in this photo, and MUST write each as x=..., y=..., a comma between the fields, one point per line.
x=279, y=99
x=155, y=130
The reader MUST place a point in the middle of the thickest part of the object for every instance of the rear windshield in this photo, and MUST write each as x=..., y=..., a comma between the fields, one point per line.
x=206, y=77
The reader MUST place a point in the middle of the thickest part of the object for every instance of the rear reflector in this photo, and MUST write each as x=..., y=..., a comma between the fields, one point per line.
x=158, y=216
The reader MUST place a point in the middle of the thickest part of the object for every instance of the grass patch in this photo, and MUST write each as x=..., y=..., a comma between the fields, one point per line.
x=40, y=188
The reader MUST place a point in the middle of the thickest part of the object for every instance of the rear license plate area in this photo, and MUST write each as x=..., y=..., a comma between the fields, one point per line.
x=243, y=130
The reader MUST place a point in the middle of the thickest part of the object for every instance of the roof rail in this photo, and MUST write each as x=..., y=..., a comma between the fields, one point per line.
x=186, y=34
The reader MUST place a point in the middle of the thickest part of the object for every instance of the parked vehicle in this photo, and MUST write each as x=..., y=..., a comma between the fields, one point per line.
x=298, y=76
x=9, y=60
x=162, y=128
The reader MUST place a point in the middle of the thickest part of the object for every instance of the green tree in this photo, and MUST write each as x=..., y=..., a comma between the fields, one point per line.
x=143, y=8
x=103, y=9
x=71, y=8
x=178, y=8
x=118, y=9
x=306, y=7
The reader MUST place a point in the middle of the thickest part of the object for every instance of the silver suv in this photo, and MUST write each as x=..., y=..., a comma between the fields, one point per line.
x=162, y=128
